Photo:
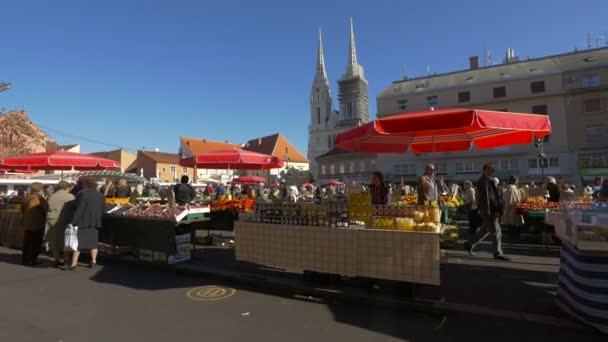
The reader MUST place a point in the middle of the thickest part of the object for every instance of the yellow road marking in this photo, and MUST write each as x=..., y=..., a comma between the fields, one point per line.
x=210, y=292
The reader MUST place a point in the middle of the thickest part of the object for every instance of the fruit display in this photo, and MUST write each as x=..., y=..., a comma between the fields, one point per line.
x=116, y=200
x=450, y=202
x=411, y=218
x=234, y=205
x=538, y=206
x=360, y=209
x=144, y=211
x=330, y=214
x=410, y=199
x=594, y=234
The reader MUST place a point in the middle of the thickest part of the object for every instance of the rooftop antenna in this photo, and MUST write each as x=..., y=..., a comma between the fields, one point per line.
x=589, y=40
x=483, y=52
x=403, y=74
x=428, y=69
x=489, y=57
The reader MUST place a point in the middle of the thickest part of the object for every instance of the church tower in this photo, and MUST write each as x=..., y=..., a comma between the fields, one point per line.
x=322, y=116
x=353, y=94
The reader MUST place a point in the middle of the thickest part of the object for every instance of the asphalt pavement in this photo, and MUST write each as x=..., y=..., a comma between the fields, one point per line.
x=120, y=302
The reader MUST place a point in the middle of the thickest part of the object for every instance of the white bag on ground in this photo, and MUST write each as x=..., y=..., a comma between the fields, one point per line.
x=71, y=238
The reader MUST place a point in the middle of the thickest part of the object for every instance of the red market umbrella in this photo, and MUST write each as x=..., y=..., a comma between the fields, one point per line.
x=445, y=130
x=308, y=185
x=59, y=160
x=333, y=182
x=249, y=180
x=235, y=159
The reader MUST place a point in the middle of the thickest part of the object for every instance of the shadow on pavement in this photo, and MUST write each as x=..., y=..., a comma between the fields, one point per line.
x=11, y=258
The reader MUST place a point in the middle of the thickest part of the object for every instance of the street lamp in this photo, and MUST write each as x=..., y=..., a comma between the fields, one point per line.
x=542, y=157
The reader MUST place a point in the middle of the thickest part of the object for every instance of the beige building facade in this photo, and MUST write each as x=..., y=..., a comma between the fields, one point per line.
x=571, y=88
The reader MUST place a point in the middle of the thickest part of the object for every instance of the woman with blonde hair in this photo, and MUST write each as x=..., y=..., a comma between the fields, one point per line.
x=34, y=209
x=108, y=189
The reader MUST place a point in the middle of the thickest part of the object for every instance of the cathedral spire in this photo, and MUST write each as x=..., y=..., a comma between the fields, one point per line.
x=352, y=68
x=320, y=58
x=352, y=56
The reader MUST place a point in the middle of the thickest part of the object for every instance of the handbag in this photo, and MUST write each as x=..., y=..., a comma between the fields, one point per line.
x=71, y=238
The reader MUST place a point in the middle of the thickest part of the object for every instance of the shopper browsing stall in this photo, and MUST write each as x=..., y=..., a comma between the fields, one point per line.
x=427, y=189
x=61, y=209
x=90, y=206
x=379, y=191
x=35, y=209
x=184, y=193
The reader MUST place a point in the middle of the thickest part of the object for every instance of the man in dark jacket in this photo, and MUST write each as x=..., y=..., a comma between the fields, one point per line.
x=184, y=193
x=490, y=204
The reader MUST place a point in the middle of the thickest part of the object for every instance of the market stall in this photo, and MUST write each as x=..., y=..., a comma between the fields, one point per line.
x=151, y=232
x=583, y=276
x=350, y=238
x=387, y=242
x=10, y=226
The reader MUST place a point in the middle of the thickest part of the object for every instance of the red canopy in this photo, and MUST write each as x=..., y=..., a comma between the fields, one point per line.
x=249, y=180
x=445, y=130
x=235, y=159
x=59, y=160
x=308, y=185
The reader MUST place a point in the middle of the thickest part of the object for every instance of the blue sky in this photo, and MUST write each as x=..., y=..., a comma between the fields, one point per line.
x=143, y=73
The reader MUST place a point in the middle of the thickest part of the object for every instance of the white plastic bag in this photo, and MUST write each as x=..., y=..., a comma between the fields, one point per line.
x=71, y=238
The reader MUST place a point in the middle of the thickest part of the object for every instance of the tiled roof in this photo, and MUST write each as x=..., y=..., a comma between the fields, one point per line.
x=276, y=145
x=200, y=146
x=161, y=157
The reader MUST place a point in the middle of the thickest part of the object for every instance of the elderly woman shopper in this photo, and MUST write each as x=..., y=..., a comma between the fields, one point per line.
x=90, y=206
x=35, y=209
x=552, y=190
x=510, y=216
x=61, y=209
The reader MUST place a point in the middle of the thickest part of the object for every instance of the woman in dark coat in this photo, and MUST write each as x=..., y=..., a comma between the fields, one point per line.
x=90, y=206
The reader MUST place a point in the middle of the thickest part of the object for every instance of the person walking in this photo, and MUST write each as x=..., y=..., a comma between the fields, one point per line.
x=552, y=190
x=490, y=205
x=61, y=209
x=34, y=209
x=90, y=206
x=510, y=215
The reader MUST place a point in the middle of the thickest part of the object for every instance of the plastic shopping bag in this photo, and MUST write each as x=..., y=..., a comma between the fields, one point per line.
x=71, y=238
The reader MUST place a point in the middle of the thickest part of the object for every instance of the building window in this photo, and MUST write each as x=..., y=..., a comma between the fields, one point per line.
x=592, y=105
x=532, y=163
x=172, y=168
x=554, y=162
x=185, y=170
x=332, y=169
x=405, y=169
x=351, y=167
x=592, y=80
x=540, y=109
x=402, y=104
x=318, y=115
x=318, y=140
x=323, y=170
x=595, y=133
x=362, y=166
x=464, y=96
x=500, y=92
x=342, y=168
x=432, y=101
x=467, y=166
x=537, y=87
x=164, y=170
x=514, y=164
x=329, y=142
